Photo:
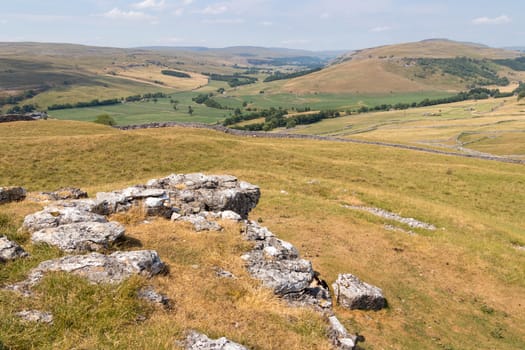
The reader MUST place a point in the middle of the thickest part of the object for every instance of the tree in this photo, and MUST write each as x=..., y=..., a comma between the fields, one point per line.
x=521, y=95
x=190, y=110
x=105, y=119
x=175, y=103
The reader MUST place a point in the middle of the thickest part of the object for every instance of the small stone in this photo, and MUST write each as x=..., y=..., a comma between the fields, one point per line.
x=223, y=273
x=200, y=224
x=351, y=293
x=35, y=316
x=151, y=295
x=230, y=215
x=9, y=250
x=55, y=216
x=198, y=341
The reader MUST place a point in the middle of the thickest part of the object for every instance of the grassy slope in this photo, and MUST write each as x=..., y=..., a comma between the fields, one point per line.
x=493, y=126
x=460, y=287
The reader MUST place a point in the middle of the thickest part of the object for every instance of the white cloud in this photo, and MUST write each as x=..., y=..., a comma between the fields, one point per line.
x=325, y=15
x=116, y=13
x=216, y=9
x=150, y=4
x=178, y=12
x=187, y=2
x=267, y=23
x=3, y=21
x=380, y=29
x=494, y=20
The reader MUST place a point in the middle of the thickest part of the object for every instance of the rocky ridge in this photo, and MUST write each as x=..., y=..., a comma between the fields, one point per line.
x=81, y=226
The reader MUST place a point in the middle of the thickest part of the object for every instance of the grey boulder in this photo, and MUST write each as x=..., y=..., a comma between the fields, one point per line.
x=198, y=341
x=9, y=250
x=12, y=194
x=80, y=236
x=351, y=293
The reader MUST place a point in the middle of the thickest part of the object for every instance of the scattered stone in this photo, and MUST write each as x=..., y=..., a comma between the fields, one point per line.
x=80, y=236
x=9, y=250
x=520, y=247
x=351, y=293
x=151, y=295
x=339, y=335
x=55, y=216
x=97, y=268
x=223, y=273
x=141, y=192
x=411, y=222
x=35, y=316
x=200, y=223
x=158, y=206
x=198, y=341
x=12, y=194
x=399, y=229
x=230, y=215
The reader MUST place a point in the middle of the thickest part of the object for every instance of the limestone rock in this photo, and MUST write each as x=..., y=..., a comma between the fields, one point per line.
x=151, y=295
x=200, y=223
x=55, y=216
x=158, y=206
x=198, y=341
x=339, y=335
x=12, y=194
x=64, y=193
x=283, y=276
x=97, y=268
x=254, y=232
x=230, y=215
x=197, y=192
x=9, y=250
x=80, y=236
x=351, y=293
x=35, y=316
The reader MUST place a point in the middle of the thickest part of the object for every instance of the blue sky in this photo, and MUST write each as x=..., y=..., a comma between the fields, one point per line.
x=308, y=24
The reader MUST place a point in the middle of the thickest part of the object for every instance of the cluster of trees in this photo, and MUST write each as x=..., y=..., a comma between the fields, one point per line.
x=14, y=99
x=281, y=76
x=22, y=110
x=208, y=101
x=175, y=73
x=108, y=102
x=513, y=63
x=520, y=91
x=105, y=119
x=233, y=80
x=479, y=72
x=277, y=118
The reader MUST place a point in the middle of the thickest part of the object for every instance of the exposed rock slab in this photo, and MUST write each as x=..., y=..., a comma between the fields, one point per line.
x=351, y=293
x=12, y=194
x=80, y=236
x=200, y=223
x=35, y=316
x=54, y=216
x=198, y=341
x=62, y=194
x=97, y=268
x=411, y=222
x=151, y=295
x=10, y=250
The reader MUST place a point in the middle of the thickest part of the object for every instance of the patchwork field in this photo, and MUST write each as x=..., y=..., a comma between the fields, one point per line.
x=459, y=287
x=495, y=126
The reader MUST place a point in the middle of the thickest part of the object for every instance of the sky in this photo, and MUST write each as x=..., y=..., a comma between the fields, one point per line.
x=300, y=24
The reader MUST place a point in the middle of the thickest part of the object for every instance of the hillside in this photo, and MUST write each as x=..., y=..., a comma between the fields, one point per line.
x=457, y=287
x=422, y=66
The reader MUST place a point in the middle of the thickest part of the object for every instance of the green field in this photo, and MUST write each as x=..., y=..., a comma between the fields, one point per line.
x=459, y=287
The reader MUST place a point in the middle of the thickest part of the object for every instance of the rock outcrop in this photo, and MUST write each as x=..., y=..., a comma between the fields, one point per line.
x=12, y=194
x=10, y=250
x=351, y=293
x=340, y=336
x=80, y=236
x=277, y=264
x=97, y=268
x=61, y=194
x=198, y=341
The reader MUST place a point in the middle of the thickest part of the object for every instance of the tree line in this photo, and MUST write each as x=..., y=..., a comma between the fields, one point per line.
x=175, y=73
x=281, y=76
x=107, y=102
x=233, y=80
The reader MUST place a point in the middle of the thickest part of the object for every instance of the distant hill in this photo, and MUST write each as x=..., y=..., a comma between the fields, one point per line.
x=436, y=64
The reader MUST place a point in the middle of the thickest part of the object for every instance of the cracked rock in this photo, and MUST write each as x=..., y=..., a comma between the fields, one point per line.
x=351, y=293
x=198, y=341
x=10, y=250
x=80, y=236
x=55, y=216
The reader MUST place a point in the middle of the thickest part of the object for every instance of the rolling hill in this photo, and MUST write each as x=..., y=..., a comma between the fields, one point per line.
x=427, y=65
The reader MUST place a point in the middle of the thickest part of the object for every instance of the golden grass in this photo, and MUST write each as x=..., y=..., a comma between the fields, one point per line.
x=459, y=287
x=152, y=75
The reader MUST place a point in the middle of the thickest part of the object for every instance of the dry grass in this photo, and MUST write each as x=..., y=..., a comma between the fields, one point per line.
x=152, y=75
x=460, y=287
